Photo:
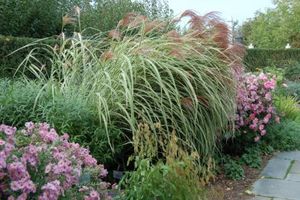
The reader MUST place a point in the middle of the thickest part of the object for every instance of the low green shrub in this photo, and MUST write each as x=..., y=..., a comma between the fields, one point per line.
x=252, y=157
x=21, y=101
x=233, y=169
x=17, y=101
x=292, y=73
x=293, y=89
x=266, y=149
x=287, y=106
x=173, y=175
x=284, y=136
x=162, y=182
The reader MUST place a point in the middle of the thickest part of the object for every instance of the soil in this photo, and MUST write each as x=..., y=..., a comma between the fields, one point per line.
x=225, y=189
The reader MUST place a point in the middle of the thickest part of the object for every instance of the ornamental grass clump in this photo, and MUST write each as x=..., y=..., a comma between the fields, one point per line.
x=37, y=163
x=255, y=109
x=146, y=70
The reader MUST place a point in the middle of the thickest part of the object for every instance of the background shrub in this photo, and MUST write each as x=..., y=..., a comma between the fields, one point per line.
x=284, y=136
x=161, y=181
x=292, y=73
x=9, y=63
x=275, y=26
x=260, y=58
x=33, y=18
x=21, y=101
x=173, y=175
x=255, y=108
x=293, y=89
x=38, y=19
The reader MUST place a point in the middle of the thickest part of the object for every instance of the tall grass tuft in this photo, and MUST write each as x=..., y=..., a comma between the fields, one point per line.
x=287, y=106
x=146, y=71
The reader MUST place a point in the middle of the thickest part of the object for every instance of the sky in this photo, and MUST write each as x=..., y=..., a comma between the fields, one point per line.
x=230, y=9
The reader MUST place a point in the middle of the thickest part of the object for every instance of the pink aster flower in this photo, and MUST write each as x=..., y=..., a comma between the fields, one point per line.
x=103, y=172
x=2, y=142
x=31, y=155
x=8, y=130
x=2, y=160
x=253, y=126
x=254, y=102
x=65, y=136
x=256, y=139
x=266, y=120
x=263, y=132
x=262, y=76
x=23, y=196
x=51, y=191
x=89, y=161
x=270, y=84
x=24, y=184
x=8, y=148
x=255, y=121
x=65, y=162
x=29, y=127
x=17, y=171
x=94, y=195
x=48, y=136
x=261, y=127
x=268, y=96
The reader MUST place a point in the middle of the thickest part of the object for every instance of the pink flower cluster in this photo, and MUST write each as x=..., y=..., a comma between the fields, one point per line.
x=254, y=103
x=48, y=164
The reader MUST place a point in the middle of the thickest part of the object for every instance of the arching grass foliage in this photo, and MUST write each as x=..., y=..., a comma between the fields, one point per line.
x=148, y=71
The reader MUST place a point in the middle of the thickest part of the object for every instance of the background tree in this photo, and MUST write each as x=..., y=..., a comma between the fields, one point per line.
x=33, y=18
x=105, y=14
x=43, y=18
x=276, y=27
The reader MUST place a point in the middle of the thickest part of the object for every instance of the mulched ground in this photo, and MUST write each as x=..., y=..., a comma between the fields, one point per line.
x=226, y=189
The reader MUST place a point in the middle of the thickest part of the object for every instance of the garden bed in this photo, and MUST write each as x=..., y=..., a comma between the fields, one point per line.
x=176, y=116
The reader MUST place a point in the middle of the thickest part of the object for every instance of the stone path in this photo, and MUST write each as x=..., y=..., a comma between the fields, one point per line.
x=280, y=180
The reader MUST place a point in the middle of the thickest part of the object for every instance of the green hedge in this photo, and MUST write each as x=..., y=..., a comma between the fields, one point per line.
x=9, y=63
x=260, y=58
x=254, y=58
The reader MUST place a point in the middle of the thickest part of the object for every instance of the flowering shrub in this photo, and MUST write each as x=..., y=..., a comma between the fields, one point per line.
x=254, y=103
x=37, y=163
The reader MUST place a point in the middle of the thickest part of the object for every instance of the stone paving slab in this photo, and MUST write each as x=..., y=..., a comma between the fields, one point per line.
x=261, y=198
x=293, y=155
x=281, y=178
x=293, y=177
x=280, y=199
x=295, y=168
x=277, y=188
x=276, y=168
